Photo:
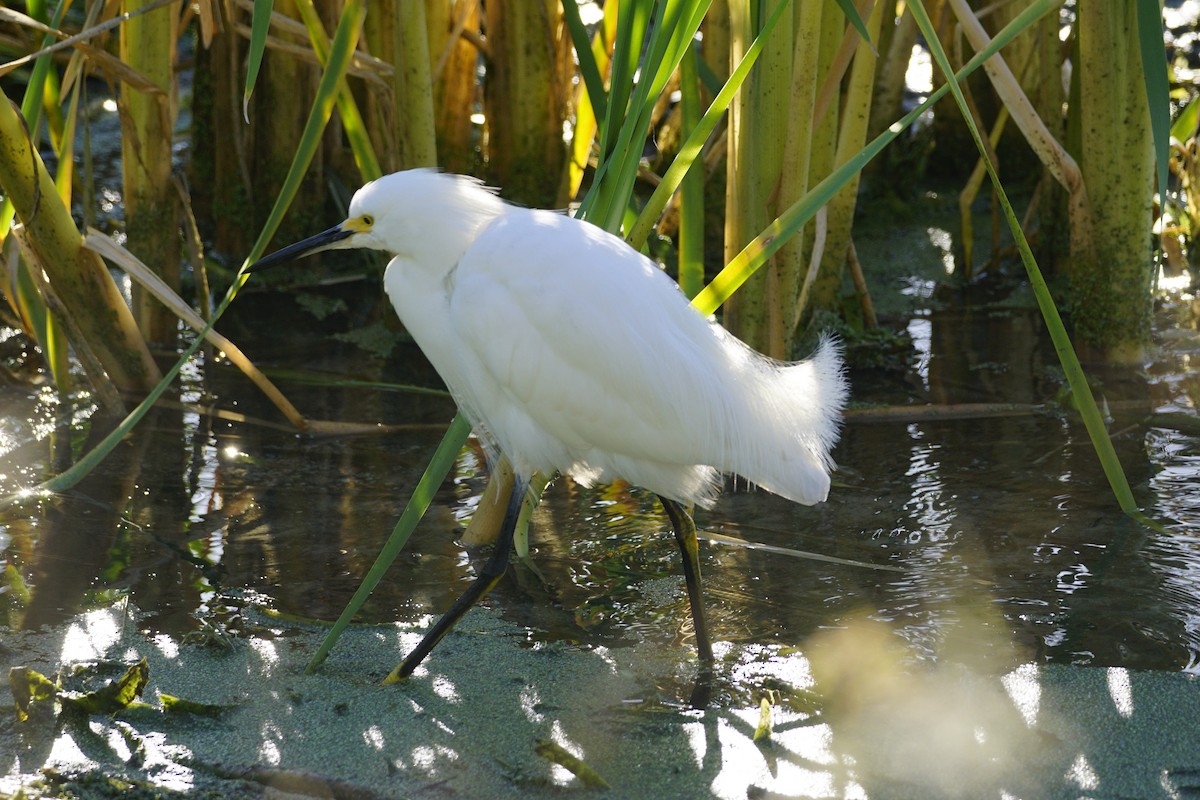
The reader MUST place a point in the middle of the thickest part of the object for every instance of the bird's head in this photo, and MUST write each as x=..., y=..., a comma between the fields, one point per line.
x=359, y=230
x=407, y=212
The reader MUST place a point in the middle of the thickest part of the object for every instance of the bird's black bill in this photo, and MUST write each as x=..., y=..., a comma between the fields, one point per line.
x=313, y=244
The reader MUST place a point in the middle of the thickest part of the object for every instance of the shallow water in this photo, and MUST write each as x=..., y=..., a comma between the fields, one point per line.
x=1011, y=512
x=1004, y=545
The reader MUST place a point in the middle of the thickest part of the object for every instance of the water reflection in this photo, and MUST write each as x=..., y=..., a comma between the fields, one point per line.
x=1011, y=559
x=1012, y=508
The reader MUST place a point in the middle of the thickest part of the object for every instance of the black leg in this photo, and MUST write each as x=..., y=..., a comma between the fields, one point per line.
x=689, y=548
x=488, y=577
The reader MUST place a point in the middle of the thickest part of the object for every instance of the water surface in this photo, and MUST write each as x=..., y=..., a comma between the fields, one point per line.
x=1003, y=545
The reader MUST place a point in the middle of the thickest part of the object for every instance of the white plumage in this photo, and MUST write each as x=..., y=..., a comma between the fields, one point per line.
x=570, y=351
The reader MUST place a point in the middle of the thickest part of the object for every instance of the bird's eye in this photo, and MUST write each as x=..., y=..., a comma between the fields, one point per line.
x=368, y=220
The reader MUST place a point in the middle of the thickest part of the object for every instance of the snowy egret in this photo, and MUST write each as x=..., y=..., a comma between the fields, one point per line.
x=570, y=351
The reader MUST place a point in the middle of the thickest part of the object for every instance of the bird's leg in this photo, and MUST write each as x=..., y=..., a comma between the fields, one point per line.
x=689, y=548
x=488, y=577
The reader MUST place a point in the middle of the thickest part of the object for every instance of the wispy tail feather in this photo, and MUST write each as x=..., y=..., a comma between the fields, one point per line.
x=801, y=408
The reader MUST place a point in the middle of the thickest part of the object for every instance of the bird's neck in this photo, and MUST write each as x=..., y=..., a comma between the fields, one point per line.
x=422, y=302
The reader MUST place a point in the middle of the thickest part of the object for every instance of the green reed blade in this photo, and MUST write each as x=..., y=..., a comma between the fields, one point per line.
x=691, y=147
x=439, y=467
x=1073, y=370
x=587, y=61
x=1154, y=70
x=352, y=121
x=260, y=26
x=773, y=237
x=848, y=8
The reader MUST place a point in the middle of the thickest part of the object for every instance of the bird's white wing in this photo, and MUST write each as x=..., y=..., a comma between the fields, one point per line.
x=585, y=347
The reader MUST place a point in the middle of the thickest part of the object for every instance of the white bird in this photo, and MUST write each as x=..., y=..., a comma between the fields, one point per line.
x=570, y=351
